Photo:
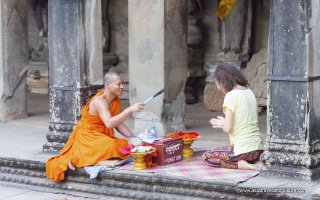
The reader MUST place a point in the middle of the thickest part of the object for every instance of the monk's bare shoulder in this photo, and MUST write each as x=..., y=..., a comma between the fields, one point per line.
x=97, y=104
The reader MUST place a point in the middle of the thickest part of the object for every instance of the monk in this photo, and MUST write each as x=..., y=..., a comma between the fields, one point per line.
x=92, y=139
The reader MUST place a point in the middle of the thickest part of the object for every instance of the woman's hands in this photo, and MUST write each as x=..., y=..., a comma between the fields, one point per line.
x=218, y=122
x=225, y=123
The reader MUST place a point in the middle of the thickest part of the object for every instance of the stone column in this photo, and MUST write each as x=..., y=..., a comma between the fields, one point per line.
x=75, y=58
x=13, y=58
x=293, y=134
x=158, y=59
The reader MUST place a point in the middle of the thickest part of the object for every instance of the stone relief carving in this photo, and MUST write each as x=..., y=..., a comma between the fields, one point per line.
x=229, y=42
x=14, y=59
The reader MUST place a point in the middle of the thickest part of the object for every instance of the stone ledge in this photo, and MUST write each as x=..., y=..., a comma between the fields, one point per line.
x=138, y=185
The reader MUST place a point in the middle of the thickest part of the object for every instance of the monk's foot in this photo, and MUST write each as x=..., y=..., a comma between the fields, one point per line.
x=70, y=166
x=242, y=164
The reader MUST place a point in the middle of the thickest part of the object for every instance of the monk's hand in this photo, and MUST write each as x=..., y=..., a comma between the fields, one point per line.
x=137, y=107
x=134, y=140
x=217, y=122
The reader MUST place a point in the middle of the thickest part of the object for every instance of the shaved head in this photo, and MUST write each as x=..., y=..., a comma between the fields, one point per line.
x=110, y=76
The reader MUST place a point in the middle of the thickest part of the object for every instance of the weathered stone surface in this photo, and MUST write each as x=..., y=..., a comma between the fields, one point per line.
x=210, y=26
x=38, y=30
x=260, y=25
x=109, y=59
x=14, y=59
x=235, y=31
x=135, y=185
x=158, y=59
x=293, y=137
x=75, y=62
x=316, y=194
x=256, y=73
x=227, y=41
x=117, y=39
x=37, y=79
x=196, y=73
x=213, y=98
x=93, y=44
x=230, y=46
x=118, y=30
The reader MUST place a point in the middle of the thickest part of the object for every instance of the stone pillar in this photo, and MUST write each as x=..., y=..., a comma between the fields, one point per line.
x=75, y=58
x=13, y=58
x=158, y=59
x=293, y=134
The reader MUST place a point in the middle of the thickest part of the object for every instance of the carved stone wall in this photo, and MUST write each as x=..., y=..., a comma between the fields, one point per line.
x=230, y=42
x=13, y=58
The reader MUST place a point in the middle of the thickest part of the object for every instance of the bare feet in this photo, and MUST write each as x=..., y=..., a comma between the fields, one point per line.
x=242, y=164
x=260, y=163
x=70, y=166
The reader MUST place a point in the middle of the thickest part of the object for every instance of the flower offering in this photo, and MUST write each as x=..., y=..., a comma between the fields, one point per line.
x=142, y=156
x=188, y=139
x=183, y=135
x=141, y=149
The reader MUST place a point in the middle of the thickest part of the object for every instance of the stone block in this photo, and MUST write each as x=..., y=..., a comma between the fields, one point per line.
x=213, y=98
x=39, y=86
x=256, y=73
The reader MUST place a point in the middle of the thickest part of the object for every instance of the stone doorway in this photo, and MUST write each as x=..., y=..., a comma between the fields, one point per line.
x=203, y=49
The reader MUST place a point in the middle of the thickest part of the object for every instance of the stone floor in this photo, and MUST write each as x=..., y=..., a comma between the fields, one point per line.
x=9, y=191
x=24, y=139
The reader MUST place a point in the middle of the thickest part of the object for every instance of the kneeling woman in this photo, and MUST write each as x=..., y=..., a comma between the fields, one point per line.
x=240, y=122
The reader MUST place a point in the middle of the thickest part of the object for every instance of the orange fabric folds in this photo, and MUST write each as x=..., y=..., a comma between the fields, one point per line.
x=225, y=7
x=89, y=143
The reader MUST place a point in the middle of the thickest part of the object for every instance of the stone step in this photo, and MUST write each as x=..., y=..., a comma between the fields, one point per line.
x=120, y=184
x=53, y=146
x=62, y=137
x=125, y=184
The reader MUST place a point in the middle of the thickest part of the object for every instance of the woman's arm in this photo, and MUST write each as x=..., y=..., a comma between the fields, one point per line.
x=228, y=123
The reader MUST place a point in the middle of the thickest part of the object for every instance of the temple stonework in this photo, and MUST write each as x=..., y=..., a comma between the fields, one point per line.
x=67, y=46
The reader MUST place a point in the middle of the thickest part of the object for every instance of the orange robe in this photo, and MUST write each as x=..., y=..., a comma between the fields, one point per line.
x=89, y=143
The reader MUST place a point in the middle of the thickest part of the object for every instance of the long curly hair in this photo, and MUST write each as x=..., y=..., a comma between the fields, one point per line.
x=228, y=76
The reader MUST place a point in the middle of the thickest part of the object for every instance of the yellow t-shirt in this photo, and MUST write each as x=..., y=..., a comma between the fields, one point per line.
x=245, y=135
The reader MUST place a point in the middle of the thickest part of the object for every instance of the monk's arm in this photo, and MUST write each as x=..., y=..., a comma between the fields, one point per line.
x=109, y=121
x=124, y=130
x=132, y=139
x=112, y=122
